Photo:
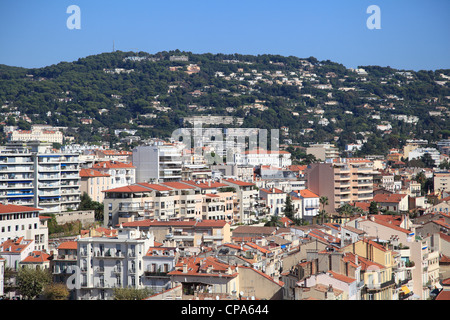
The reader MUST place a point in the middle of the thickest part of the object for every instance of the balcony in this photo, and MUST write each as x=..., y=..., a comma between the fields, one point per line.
x=150, y=274
x=380, y=286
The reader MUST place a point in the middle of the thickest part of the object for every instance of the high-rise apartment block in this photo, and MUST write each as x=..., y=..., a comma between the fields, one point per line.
x=342, y=182
x=31, y=174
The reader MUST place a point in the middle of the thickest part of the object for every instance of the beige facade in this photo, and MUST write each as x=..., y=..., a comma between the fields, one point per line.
x=341, y=182
x=93, y=182
x=323, y=152
x=442, y=182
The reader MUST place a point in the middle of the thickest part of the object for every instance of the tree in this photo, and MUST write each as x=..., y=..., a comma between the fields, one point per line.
x=274, y=222
x=347, y=210
x=427, y=160
x=322, y=213
x=86, y=203
x=323, y=216
x=56, y=291
x=373, y=208
x=289, y=208
x=131, y=293
x=31, y=282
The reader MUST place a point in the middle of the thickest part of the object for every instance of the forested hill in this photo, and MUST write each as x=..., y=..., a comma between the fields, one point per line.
x=152, y=93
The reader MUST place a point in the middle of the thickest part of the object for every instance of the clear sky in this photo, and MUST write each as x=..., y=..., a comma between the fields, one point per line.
x=414, y=35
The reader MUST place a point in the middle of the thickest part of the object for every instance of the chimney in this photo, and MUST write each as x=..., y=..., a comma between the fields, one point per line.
x=185, y=268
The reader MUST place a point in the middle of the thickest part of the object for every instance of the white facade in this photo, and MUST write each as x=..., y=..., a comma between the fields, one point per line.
x=264, y=158
x=18, y=221
x=419, y=152
x=33, y=175
x=37, y=135
x=159, y=163
x=112, y=262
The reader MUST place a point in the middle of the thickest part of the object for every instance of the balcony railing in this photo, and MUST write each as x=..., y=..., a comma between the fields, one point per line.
x=379, y=286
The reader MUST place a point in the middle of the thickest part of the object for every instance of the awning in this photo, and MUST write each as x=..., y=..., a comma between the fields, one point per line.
x=405, y=290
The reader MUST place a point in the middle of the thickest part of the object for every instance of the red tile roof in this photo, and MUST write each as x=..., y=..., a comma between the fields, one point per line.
x=112, y=165
x=178, y=185
x=341, y=277
x=128, y=189
x=12, y=208
x=389, y=198
x=68, y=245
x=153, y=186
x=305, y=193
x=271, y=190
x=90, y=173
x=37, y=257
x=14, y=245
x=205, y=185
x=238, y=182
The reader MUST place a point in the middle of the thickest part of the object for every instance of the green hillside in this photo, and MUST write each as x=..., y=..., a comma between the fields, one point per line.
x=152, y=94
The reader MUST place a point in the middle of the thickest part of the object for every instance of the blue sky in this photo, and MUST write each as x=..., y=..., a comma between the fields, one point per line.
x=414, y=34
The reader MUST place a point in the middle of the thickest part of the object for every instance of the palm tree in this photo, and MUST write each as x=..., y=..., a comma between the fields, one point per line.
x=322, y=213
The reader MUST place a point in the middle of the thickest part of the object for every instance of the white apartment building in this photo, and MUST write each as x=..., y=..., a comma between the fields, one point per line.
x=274, y=199
x=37, y=134
x=15, y=250
x=120, y=173
x=157, y=163
x=112, y=262
x=310, y=204
x=32, y=174
x=186, y=200
x=261, y=157
x=419, y=152
x=23, y=222
x=158, y=262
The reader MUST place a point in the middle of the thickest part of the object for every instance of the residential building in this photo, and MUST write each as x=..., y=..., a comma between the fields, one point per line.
x=419, y=152
x=36, y=260
x=441, y=182
x=158, y=262
x=352, y=181
x=171, y=200
x=246, y=195
x=63, y=262
x=392, y=202
x=23, y=222
x=378, y=262
x=209, y=277
x=186, y=235
x=15, y=250
x=121, y=174
x=93, y=182
x=323, y=152
x=157, y=163
x=37, y=134
x=310, y=204
x=32, y=174
x=112, y=262
x=274, y=200
x=262, y=157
